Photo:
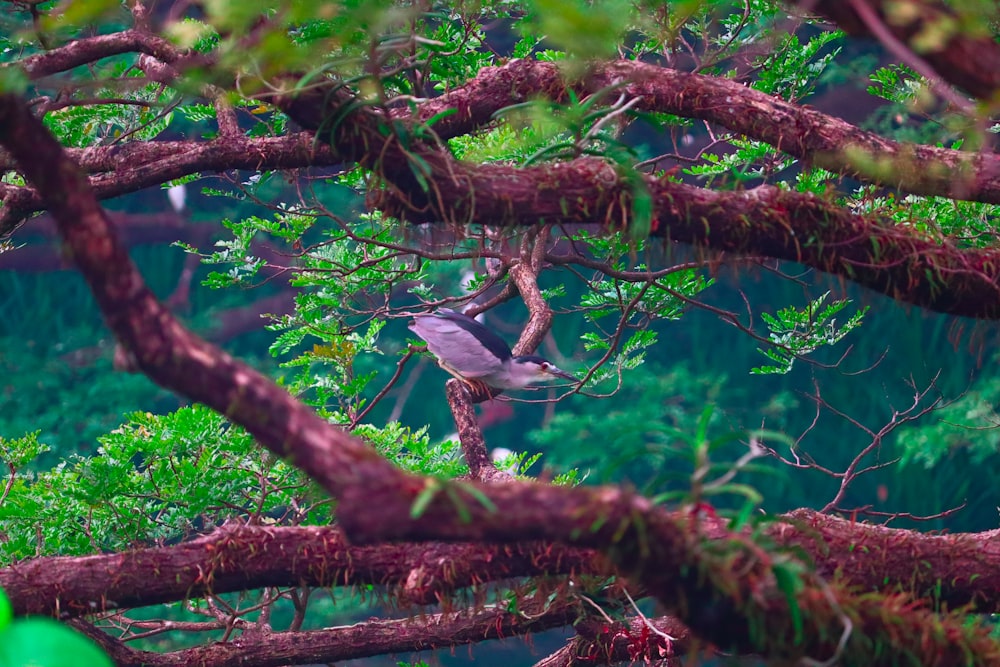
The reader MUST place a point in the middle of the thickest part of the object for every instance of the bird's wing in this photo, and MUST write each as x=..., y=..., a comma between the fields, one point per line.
x=461, y=343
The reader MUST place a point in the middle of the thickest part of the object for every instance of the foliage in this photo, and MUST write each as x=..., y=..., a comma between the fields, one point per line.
x=795, y=333
x=153, y=480
x=104, y=124
x=158, y=479
x=644, y=437
x=896, y=83
x=91, y=397
x=970, y=423
x=967, y=224
x=792, y=69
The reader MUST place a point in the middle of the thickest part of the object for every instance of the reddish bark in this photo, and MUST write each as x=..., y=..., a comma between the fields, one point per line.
x=235, y=558
x=85, y=51
x=374, y=637
x=952, y=570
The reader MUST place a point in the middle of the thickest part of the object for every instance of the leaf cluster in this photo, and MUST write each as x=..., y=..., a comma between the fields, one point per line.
x=797, y=332
x=154, y=480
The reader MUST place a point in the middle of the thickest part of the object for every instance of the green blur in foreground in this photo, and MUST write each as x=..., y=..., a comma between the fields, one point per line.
x=44, y=642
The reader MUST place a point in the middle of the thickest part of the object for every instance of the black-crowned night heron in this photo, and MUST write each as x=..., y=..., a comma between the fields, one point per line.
x=475, y=355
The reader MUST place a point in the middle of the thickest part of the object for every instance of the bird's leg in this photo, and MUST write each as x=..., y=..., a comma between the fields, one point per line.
x=474, y=385
x=477, y=386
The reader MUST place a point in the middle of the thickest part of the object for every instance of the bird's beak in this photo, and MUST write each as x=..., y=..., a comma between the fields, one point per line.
x=552, y=370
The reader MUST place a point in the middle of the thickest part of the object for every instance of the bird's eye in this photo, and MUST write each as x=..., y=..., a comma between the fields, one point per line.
x=545, y=365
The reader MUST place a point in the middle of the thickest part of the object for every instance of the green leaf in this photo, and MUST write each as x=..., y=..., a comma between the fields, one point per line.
x=795, y=333
x=787, y=575
x=43, y=642
x=483, y=499
x=584, y=29
x=6, y=610
x=431, y=488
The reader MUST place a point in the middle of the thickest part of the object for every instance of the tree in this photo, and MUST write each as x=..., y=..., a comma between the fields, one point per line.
x=514, y=132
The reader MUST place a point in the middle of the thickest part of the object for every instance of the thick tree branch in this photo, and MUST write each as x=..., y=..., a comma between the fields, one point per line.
x=91, y=49
x=916, y=270
x=290, y=151
x=765, y=221
x=133, y=166
x=802, y=132
x=725, y=593
x=822, y=140
x=370, y=638
x=237, y=558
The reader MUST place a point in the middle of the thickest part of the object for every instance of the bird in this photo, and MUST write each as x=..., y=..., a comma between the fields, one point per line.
x=475, y=355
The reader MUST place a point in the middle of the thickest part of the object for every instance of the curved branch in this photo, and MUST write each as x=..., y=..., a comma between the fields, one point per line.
x=524, y=275
x=725, y=593
x=764, y=221
x=957, y=569
x=162, y=348
x=91, y=49
x=816, y=136
x=805, y=133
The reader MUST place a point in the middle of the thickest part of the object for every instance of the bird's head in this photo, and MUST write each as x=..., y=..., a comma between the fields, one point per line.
x=523, y=371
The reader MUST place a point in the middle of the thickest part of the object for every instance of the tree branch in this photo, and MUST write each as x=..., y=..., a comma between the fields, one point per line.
x=136, y=165
x=370, y=638
x=805, y=133
x=603, y=643
x=236, y=558
x=764, y=221
x=163, y=349
x=470, y=434
x=91, y=49
x=899, y=263
x=956, y=570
